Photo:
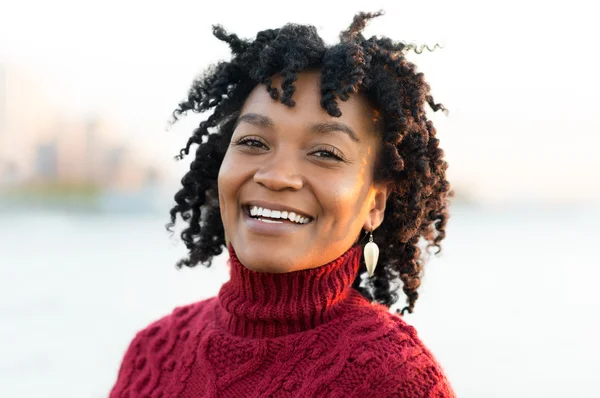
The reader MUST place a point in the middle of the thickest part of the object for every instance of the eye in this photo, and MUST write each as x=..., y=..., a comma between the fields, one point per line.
x=252, y=142
x=329, y=153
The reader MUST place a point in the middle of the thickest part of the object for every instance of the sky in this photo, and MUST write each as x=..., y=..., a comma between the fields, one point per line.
x=518, y=77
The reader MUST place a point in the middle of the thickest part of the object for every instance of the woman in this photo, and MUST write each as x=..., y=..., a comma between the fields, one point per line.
x=307, y=146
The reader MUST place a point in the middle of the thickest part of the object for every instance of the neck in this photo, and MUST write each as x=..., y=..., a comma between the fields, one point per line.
x=262, y=304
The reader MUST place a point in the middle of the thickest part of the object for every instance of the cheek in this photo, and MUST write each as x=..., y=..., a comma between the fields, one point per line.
x=233, y=174
x=343, y=197
x=227, y=182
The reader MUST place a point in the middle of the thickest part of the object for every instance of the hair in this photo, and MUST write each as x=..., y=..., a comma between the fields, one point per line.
x=410, y=156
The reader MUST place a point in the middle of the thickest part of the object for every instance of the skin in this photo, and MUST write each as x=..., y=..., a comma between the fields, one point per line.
x=286, y=163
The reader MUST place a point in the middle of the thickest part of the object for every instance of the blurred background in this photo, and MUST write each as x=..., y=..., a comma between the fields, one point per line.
x=87, y=177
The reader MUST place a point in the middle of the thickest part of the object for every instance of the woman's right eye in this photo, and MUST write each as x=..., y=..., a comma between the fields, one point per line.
x=250, y=142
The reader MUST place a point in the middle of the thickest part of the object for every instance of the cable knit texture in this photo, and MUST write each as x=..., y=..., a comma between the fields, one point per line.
x=305, y=333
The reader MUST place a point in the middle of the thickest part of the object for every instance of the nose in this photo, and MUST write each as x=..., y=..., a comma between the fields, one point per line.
x=280, y=172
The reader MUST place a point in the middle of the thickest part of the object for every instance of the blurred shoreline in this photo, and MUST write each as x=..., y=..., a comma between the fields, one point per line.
x=151, y=198
x=156, y=199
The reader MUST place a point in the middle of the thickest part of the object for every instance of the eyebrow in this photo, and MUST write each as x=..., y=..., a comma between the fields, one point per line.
x=324, y=127
x=256, y=120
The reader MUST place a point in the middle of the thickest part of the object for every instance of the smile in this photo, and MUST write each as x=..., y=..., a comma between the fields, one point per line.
x=276, y=216
x=270, y=224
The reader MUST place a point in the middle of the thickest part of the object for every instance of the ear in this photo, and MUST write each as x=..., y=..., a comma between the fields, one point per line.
x=379, y=199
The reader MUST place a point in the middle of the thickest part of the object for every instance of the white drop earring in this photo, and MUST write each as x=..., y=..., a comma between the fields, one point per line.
x=371, y=253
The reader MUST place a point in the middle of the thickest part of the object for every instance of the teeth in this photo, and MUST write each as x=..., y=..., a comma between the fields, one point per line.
x=271, y=221
x=256, y=211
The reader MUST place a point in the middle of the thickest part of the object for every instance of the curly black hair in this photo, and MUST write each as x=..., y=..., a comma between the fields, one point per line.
x=411, y=158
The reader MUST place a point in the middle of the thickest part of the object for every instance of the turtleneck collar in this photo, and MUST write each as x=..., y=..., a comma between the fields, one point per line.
x=262, y=304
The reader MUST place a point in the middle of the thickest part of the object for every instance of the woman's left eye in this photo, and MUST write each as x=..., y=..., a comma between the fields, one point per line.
x=329, y=154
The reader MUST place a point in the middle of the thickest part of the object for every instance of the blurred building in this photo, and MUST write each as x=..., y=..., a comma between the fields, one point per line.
x=46, y=161
x=25, y=113
x=3, y=105
x=91, y=152
x=48, y=151
x=9, y=173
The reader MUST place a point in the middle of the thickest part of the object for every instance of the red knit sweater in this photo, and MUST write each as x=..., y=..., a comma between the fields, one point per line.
x=305, y=333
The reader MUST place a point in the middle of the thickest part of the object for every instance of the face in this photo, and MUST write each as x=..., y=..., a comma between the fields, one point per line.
x=305, y=165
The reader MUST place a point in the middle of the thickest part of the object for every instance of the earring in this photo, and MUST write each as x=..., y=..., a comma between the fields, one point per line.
x=371, y=253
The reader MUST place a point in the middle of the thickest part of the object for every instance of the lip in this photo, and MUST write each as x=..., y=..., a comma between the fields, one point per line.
x=273, y=206
x=273, y=229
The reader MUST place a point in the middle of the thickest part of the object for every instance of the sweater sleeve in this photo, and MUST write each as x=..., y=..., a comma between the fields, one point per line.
x=419, y=378
x=408, y=369
x=139, y=365
x=127, y=367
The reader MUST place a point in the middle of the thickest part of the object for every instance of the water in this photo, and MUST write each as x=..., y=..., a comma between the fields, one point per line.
x=509, y=309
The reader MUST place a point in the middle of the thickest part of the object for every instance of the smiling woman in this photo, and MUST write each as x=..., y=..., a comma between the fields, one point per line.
x=295, y=159
x=309, y=149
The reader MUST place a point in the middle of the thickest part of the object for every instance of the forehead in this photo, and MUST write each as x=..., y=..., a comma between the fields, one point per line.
x=356, y=112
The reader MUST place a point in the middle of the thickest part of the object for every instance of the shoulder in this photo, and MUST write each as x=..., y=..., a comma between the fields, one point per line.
x=177, y=322
x=158, y=347
x=176, y=325
x=395, y=361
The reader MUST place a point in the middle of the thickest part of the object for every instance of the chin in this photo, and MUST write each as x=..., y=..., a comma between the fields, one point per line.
x=262, y=258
